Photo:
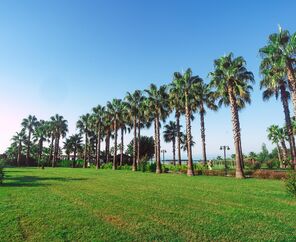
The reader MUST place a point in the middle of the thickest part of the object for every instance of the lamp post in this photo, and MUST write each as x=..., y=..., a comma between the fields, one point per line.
x=224, y=148
x=163, y=151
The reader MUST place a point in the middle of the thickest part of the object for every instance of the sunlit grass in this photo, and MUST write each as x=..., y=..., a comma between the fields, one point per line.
x=66, y=204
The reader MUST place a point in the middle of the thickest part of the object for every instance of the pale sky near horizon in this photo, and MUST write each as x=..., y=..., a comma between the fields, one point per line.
x=68, y=56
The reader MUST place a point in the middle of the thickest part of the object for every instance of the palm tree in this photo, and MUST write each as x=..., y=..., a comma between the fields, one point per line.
x=281, y=50
x=133, y=101
x=107, y=125
x=98, y=114
x=68, y=147
x=40, y=136
x=60, y=126
x=29, y=124
x=187, y=85
x=204, y=99
x=115, y=108
x=159, y=107
x=176, y=103
x=83, y=124
x=19, y=138
x=76, y=142
x=275, y=84
x=170, y=133
x=232, y=80
x=273, y=136
x=184, y=144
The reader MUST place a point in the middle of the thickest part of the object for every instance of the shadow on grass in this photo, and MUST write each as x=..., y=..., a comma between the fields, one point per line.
x=35, y=181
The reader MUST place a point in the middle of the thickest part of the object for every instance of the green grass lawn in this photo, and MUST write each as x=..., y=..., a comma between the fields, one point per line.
x=66, y=204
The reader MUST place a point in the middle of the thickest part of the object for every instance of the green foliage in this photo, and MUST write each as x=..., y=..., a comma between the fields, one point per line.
x=290, y=183
x=125, y=167
x=146, y=150
x=107, y=165
x=1, y=175
x=256, y=165
x=64, y=163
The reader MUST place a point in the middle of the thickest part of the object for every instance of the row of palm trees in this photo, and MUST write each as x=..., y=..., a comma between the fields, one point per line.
x=230, y=85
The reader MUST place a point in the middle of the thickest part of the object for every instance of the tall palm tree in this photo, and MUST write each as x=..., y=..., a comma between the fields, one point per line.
x=184, y=144
x=115, y=108
x=29, y=124
x=98, y=115
x=275, y=84
x=273, y=134
x=159, y=107
x=231, y=79
x=176, y=103
x=123, y=125
x=60, y=126
x=204, y=98
x=187, y=84
x=133, y=101
x=281, y=50
x=19, y=138
x=107, y=133
x=169, y=134
x=83, y=124
x=68, y=147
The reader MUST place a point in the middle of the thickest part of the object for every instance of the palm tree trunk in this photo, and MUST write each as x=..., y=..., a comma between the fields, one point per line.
x=108, y=145
x=74, y=157
x=174, y=151
x=285, y=152
x=85, y=151
x=121, y=147
x=279, y=154
x=19, y=154
x=203, y=138
x=292, y=83
x=158, y=163
x=288, y=124
x=138, y=141
x=98, y=147
x=28, y=148
x=51, y=148
x=178, y=137
x=239, y=173
x=155, y=144
x=135, y=144
x=115, y=145
x=40, y=150
x=190, y=171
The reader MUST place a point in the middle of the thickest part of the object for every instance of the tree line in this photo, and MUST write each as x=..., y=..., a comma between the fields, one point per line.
x=187, y=95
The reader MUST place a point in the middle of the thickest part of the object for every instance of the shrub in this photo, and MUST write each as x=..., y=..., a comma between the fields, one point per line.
x=272, y=164
x=256, y=165
x=1, y=175
x=268, y=174
x=125, y=167
x=151, y=167
x=107, y=165
x=143, y=166
x=290, y=183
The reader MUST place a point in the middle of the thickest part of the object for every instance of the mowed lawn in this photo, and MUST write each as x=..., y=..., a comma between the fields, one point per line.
x=65, y=204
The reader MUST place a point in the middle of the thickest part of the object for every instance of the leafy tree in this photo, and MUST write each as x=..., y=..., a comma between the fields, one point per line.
x=231, y=79
x=147, y=144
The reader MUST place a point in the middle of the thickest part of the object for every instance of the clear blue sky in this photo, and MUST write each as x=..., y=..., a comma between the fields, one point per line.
x=67, y=56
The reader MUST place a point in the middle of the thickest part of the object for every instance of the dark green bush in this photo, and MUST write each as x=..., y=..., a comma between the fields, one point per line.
x=256, y=165
x=151, y=167
x=125, y=167
x=1, y=175
x=107, y=165
x=290, y=183
x=272, y=164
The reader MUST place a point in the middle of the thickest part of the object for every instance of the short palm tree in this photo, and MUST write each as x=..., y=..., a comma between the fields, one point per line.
x=98, y=115
x=76, y=145
x=40, y=136
x=273, y=134
x=204, y=98
x=281, y=51
x=60, y=127
x=231, y=79
x=275, y=83
x=187, y=84
x=19, y=139
x=169, y=134
x=159, y=107
x=29, y=124
x=184, y=144
x=83, y=124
